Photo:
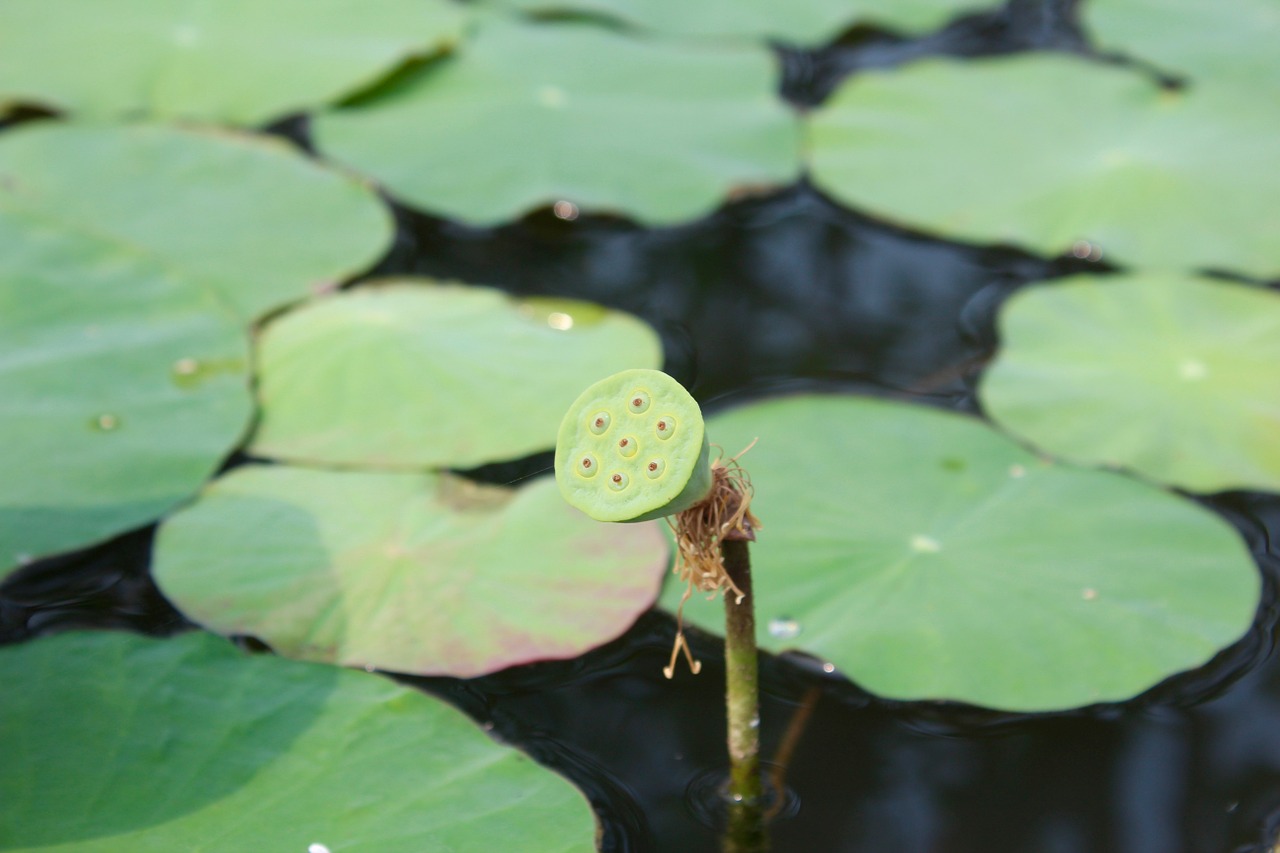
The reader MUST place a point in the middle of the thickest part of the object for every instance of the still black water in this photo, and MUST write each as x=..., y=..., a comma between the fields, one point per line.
x=789, y=291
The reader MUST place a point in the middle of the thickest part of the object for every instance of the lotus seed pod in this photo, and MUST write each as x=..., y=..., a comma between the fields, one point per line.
x=633, y=447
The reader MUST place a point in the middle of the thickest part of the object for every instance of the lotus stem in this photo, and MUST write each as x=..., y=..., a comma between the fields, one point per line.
x=744, y=832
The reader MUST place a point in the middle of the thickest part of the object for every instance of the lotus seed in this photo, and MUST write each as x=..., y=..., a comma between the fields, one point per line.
x=654, y=468
x=588, y=466
x=666, y=427
x=600, y=422
x=639, y=403
x=628, y=447
x=618, y=482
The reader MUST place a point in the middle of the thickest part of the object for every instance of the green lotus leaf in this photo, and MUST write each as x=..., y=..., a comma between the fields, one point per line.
x=633, y=447
x=928, y=557
x=1173, y=377
x=251, y=216
x=530, y=115
x=237, y=61
x=114, y=742
x=1229, y=44
x=405, y=572
x=123, y=384
x=415, y=374
x=803, y=22
x=1166, y=180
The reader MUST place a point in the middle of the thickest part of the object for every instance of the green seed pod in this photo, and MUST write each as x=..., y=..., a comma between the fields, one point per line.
x=633, y=447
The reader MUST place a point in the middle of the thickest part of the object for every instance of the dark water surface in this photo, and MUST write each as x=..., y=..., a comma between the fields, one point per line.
x=794, y=291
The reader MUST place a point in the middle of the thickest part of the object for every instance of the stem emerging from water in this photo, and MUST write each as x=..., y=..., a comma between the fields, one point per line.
x=745, y=831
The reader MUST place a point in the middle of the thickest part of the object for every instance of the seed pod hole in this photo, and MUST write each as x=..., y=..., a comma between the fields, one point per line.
x=588, y=466
x=665, y=427
x=655, y=468
x=599, y=423
x=638, y=403
x=628, y=446
x=618, y=482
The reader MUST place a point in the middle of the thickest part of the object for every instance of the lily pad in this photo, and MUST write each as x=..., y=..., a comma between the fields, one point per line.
x=1097, y=154
x=123, y=384
x=405, y=572
x=414, y=374
x=530, y=115
x=928, y=557
x=248, y=215
x=1175, y=378
x=238, y=61
x=116, y=742
x=1230, y=44
x=803, y=22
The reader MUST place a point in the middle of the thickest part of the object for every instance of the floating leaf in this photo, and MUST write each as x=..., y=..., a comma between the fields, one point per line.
x=251, y=216
x=928, y=557
x=115, y=742
x=633, y=447
x=530, y=115
x=804, y=22
x=405, y=572
x=1232, y=44
x=413, y=375
x=1173, y=377
x=1098, y=158
x=123, y=384
x=239, y=61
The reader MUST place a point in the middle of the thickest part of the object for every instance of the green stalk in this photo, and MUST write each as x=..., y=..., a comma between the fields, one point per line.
x=745, y=830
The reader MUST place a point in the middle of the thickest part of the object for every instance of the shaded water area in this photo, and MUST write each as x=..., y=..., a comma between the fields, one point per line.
x=784, y=292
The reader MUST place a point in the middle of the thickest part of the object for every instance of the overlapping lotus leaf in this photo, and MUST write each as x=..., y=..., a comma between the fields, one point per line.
x=928, y=557
x=123, y=384
x=237, y=61
x=249, y=215
x=527, y=116
x=803, y=22
x=405, y=572
x=1232, y=44
x=1099, y=154
x=1173, y=377
x=115, y=742
x=415, y=374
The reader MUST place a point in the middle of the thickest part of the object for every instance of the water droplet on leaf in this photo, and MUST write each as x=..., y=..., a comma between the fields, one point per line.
x=922, y=544
x=784, y=628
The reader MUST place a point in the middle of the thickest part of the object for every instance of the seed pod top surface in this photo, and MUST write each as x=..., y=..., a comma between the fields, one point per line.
x=633, y=447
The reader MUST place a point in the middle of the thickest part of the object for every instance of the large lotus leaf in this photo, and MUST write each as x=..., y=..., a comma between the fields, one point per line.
x=928, y=557
x=1149, y=177
x=122, y=386
x=1175, y=378
x=421, y=375
x=405, y=572
x=114, y=742
x=248, y=214
x=806, y=22
x=240, y=61
x=529, y=115
x=1229, y=43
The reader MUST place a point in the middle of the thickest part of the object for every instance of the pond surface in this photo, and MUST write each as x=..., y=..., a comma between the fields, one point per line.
x=793, y=291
